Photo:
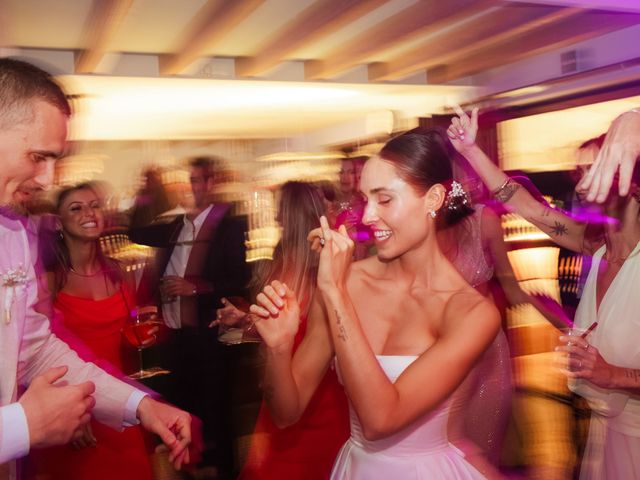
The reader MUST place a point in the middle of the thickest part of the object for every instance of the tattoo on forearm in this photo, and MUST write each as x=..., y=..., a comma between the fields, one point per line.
x=633, y=374
x=558, y=229
x=506, y=192
x=342, y=333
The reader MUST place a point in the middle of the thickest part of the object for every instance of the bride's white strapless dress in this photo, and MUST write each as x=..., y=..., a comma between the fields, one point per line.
x=420, y=451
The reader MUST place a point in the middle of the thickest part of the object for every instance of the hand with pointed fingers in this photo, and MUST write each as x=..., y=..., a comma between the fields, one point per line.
x=277, y=315
x=463, y=129
x=584, y=361
x=56, y=413
x=229, y=315
x=171, y=424
x=335, y=258
x=618, y=156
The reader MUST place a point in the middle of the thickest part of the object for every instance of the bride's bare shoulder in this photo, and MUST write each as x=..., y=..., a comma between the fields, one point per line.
x=469, y=305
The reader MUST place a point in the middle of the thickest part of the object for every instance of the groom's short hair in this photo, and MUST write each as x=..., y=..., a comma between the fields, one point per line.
x=20, y=84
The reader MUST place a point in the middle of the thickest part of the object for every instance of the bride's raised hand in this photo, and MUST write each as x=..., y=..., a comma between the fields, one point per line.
x=278, y=315
x=335, y=258
x=463, y=129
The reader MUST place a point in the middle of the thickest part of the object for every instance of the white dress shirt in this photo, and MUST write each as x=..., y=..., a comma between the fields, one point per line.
x=178, y=263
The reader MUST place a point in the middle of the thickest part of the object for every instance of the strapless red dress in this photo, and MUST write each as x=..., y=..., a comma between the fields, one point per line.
x=307, y=449
x=93, y=328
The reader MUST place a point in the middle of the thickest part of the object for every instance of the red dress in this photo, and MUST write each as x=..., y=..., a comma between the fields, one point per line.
x=97, y=326
x=307, y=449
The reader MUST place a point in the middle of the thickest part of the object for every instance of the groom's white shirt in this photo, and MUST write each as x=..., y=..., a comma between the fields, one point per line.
x=28, y=348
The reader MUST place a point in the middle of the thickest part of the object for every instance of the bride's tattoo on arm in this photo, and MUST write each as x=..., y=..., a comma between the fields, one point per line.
x=342, y=333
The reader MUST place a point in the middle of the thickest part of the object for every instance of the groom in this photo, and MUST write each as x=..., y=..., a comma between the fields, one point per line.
x=62, y=391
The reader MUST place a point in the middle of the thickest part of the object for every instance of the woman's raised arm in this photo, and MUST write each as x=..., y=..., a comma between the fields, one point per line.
x=562, y=229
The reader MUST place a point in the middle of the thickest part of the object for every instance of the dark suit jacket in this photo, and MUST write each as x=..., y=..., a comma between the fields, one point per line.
x=216, y=265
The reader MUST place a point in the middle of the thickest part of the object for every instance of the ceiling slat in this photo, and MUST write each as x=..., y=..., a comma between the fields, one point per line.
x=484, y=32
x=321, y=19
x=419, y=19
x=103, y=23
x=213, y=22
x=586, y=25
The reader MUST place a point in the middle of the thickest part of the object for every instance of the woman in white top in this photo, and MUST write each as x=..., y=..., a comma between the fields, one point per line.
x=605, y=366
x=404, y=327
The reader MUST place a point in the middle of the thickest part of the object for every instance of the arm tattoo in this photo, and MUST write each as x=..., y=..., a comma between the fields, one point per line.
x=507, y=191
x=558, y=229
x=632, y=374
x=342, y=333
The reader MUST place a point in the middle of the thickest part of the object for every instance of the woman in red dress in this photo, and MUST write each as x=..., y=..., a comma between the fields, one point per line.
x=92, y=302
x=306, y=448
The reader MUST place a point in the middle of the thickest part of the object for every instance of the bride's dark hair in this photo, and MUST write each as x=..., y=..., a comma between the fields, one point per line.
x=423, y=158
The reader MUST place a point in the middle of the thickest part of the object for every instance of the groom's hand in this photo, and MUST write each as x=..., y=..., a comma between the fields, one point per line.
x=171, y=424
x=56, y=413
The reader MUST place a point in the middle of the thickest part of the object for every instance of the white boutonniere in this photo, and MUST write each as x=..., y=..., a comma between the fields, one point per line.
x=12, y=280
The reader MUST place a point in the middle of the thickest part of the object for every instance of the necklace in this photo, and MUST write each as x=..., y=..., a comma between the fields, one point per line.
x=86, y=275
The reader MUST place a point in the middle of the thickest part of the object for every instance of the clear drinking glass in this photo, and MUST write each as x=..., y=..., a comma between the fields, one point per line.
x=235, y=326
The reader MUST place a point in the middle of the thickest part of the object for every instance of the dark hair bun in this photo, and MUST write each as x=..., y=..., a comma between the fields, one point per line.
x=456, y=206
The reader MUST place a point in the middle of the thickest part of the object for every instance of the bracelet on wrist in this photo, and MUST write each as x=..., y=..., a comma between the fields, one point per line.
x=505, y=191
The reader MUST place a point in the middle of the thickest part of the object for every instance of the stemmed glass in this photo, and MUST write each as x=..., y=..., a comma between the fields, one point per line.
x=234, y=325
x=140, y=331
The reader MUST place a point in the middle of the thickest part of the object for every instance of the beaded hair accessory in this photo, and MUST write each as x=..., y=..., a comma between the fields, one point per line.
x=454, y=193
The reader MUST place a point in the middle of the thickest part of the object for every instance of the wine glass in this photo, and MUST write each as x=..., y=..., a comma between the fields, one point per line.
x=235, y=326
x=140, y=331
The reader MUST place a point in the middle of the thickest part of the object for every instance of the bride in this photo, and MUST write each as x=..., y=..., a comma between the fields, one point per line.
x=404, y=327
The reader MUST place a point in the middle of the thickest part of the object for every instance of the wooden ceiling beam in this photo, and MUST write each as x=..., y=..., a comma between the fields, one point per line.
x=321, y=19
x=584, y=26
x=213, y=21
x=482, y=33
x=422, y=18
x=103, y=23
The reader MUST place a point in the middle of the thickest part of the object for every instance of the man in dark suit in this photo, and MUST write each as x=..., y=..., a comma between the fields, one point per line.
x=200, y=260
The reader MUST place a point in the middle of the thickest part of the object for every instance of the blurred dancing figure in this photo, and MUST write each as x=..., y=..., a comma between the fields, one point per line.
x=476, y=248
x=604, y=367
x=200, y=259
x=404, y=327
x=307, y=447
